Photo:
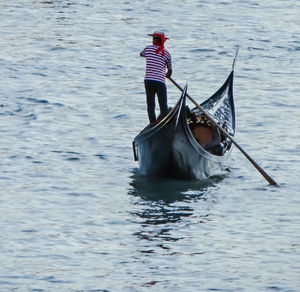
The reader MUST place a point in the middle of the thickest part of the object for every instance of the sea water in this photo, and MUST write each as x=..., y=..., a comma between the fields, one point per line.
x=75, y=214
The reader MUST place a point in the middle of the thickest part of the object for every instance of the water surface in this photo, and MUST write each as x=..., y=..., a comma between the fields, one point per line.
x=76, y=216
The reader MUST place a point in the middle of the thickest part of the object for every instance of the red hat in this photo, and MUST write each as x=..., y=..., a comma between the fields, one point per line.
x=158, y=34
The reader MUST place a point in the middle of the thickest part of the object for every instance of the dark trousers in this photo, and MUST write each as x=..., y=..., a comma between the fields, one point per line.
x=159, y=88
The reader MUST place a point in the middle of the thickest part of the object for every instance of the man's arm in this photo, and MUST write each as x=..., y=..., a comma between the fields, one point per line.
x=142, y=53
x=169, y=66
x=169, y=73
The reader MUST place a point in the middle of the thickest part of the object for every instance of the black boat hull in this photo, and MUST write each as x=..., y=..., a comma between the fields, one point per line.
x=154, y=146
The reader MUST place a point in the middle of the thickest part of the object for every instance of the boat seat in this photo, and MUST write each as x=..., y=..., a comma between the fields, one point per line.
x=209, y=138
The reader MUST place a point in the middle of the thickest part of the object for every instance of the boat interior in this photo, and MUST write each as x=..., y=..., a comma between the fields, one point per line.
x=206, y=134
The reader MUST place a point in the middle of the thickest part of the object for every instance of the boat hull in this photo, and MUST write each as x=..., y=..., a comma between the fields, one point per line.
x=173, y=151
x=153, y=147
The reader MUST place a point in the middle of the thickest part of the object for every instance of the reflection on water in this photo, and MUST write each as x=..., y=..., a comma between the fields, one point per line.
x=163, y=202
x=169, y=190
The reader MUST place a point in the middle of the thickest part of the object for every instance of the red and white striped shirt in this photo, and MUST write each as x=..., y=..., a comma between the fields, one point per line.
x=156, y=64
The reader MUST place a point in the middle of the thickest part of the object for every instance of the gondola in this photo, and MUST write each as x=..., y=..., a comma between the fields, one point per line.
x=185, y=144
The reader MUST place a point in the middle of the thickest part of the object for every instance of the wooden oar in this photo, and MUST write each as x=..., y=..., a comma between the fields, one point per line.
x=264, y=174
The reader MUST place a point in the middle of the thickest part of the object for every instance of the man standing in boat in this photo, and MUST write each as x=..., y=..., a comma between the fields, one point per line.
x=158, y=59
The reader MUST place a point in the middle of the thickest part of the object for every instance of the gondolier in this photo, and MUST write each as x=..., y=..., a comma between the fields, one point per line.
x=158, y=60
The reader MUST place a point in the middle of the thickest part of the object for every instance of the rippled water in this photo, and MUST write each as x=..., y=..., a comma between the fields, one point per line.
x=75, y=216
